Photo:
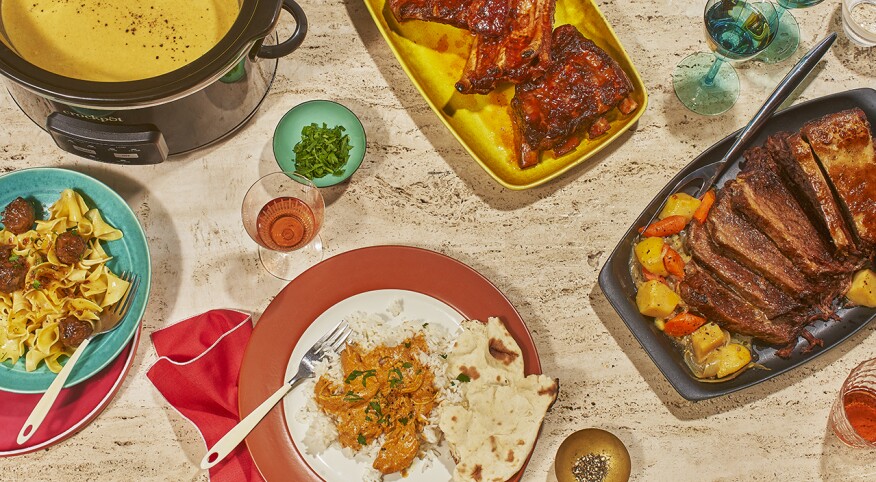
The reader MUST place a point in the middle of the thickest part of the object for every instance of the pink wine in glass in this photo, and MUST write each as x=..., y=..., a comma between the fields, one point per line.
x=286, y=224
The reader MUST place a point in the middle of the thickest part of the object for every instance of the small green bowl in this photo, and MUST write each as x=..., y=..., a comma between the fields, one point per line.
x=288, y=134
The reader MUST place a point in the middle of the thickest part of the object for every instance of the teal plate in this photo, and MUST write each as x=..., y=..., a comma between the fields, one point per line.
x=288, y=133
x=131, y=253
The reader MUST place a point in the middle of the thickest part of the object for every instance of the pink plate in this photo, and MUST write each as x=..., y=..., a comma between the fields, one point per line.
x=75, y=408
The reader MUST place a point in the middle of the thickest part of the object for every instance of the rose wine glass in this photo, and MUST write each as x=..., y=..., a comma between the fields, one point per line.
x=736, y=30
x=788, y=34
x=283, y=212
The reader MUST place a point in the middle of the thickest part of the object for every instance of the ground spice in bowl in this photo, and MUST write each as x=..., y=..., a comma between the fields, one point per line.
x=591, y=468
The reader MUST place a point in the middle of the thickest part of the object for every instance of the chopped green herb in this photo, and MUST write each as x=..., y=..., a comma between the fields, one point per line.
x=407, y=365
x=444, y=356
x=463, y=378
x=395, y=381
x=368, y=373
x=352, y=396
x=361, y=439
x=352, y=376
x=36, y=284
x=407, y=344
x=425, y=325
x=403, y=420
x=376, y=407
x=322, y=151
x=14, y=258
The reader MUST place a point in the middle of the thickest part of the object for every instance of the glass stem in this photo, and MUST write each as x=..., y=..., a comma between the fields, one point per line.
x=709, y=79
x=779, y=11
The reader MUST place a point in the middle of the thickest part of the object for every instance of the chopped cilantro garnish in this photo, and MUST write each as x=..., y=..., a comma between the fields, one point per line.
x=36, y=284
x=322, y=151
x=425, y=325
x=368, y=373
x=352, y=396
x=403, y=420
x=14, y=258
x=407, y=344
x=395, y=381
x=407, y=365
x=352, y=376
x=444, y=356
x=463, y=378
x=361, y=439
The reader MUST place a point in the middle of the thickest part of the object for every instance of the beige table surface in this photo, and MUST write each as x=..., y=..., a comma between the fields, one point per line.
x=542, y=247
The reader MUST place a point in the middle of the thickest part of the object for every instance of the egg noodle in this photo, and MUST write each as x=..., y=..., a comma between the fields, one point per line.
x=30, y=317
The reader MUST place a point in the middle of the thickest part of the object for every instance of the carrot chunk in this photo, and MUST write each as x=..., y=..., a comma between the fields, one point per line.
x=673, y=262
x=665, y=227
x=702, y=212
x=683, y=324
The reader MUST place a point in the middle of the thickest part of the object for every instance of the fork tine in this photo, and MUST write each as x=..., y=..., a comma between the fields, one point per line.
x=121, y=306
x=337, y=333
x=339, y=326
x=343, y=340
x=336, y=343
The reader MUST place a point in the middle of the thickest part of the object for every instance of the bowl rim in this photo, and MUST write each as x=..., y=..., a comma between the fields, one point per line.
x=350, y=167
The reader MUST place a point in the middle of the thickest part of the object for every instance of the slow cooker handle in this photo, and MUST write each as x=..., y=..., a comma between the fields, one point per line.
x=287, y=46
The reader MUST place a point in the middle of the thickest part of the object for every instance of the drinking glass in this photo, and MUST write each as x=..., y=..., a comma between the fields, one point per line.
x=859, y=21
x=283, y=212
x=853, y=416
x=736, y=30
x=788, y=35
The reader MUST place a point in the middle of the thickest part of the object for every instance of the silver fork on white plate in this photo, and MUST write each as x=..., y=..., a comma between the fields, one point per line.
x=330, y=342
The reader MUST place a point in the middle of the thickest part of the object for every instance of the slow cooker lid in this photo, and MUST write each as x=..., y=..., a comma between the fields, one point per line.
x=256, y=20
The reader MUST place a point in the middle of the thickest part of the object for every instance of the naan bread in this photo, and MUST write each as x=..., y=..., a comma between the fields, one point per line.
x=493, y=428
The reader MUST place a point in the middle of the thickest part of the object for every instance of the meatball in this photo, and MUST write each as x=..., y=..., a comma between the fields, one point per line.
x=74, y=331
x=19, y=216
x=69, y=247
x=13, y=270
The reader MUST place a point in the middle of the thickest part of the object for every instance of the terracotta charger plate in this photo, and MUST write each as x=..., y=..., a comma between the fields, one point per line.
x=334, y=280
x=75, y=408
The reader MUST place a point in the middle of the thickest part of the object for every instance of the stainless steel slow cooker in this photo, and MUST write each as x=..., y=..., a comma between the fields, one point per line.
x=145, y=121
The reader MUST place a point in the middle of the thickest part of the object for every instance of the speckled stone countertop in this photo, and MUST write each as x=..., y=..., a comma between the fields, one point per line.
x=418, y=187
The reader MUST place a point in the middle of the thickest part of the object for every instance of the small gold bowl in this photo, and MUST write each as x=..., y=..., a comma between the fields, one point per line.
x=595, y=442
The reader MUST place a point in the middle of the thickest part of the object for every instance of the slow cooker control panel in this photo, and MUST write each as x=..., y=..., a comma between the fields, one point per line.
x=112, y=143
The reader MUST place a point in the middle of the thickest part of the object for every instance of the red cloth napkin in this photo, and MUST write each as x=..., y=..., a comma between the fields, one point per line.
x=199, y=362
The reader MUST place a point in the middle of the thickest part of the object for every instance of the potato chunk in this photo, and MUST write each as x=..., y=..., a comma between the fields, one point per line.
x=680, y=204
x=731, y=358
x=656, y=299
x=863, y=289
x=705, y=339
x=649, y=252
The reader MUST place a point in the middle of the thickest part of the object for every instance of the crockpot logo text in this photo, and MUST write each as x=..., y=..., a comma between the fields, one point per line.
x=94, y=117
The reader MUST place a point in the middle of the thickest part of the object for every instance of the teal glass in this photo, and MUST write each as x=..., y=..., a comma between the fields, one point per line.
x=788, y=37
x=736, y=30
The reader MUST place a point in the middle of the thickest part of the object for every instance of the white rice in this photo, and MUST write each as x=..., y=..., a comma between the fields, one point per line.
x=369, y=331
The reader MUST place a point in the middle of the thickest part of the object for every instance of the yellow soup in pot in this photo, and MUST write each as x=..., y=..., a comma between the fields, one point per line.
x=115, y=40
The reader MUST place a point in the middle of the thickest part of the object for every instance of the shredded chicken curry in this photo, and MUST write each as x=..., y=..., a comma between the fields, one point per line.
x=386, y=391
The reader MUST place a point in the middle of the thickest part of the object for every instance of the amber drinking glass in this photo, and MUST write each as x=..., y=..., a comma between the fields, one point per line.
x=853, y=416
x=283, y=212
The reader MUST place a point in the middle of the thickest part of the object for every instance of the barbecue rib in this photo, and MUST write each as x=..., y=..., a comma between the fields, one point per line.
x=813, y=193
x=761, y=196
x=579, y=87
x=748, y=284
x=451, y=12
x=521, y=51
x=843, y=144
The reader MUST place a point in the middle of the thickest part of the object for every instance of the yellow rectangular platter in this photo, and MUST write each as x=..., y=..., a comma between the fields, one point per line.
x=433, y=55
